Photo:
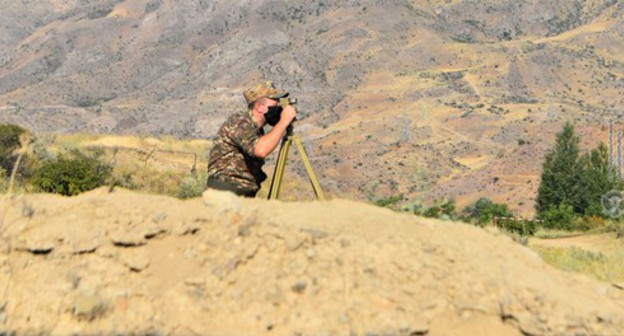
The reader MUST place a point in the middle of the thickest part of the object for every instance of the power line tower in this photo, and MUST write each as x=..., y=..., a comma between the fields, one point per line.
x=611, y=143
x=405, y=133
x=619, y=155
x=550, y=115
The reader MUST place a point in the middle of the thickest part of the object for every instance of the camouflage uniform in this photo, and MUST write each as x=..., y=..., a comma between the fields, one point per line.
x=231, y=161
x=232, y=165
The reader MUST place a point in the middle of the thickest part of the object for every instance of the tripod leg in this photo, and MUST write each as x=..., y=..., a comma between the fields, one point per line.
x=278, y=174
x=306, y=162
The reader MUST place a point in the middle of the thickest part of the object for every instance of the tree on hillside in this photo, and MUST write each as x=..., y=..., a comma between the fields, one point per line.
x=596, y=177
x=558, y=183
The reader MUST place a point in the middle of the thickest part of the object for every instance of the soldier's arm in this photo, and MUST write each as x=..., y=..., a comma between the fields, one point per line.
x=268, y=142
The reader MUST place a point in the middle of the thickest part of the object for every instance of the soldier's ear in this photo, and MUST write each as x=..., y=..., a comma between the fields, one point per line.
x=254, y=105
x=262, y=108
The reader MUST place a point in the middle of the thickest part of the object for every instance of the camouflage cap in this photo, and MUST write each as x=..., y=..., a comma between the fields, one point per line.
x=266, y=89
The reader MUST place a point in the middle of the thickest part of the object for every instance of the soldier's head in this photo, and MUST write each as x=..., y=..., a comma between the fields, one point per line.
x=261, y=98
x=264, y=90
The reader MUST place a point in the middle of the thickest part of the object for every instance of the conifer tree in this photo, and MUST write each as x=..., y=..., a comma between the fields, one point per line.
x=596, y=177
x=558, y=183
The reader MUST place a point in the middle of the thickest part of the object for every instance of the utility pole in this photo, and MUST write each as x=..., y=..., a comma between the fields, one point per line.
x=619, y=155
x=611, y=143
x=406, y=125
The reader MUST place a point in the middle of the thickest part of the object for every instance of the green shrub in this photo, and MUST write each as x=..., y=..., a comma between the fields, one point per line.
x=522, y=227
x=9, y=143
x=559, y=217
x=192, y=186
x=388, y=202
x=413, y=207
x=4, y=181
x=71, y=173
x=444, y=209
x=484, y=210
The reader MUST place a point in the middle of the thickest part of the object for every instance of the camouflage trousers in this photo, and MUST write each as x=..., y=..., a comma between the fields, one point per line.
x=218, y=185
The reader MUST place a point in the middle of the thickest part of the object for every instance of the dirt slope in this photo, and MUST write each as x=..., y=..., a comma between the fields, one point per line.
x=128, y=263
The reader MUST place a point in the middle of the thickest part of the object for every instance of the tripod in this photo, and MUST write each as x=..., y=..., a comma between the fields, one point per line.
x=278, y=174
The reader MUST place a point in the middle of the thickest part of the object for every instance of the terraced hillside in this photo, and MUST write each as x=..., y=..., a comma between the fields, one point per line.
x=452, y=98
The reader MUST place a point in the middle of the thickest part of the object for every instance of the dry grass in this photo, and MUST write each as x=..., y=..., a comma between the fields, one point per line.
x=598, y=255
x=605, y=267
x=164, y=165
x=475, y=162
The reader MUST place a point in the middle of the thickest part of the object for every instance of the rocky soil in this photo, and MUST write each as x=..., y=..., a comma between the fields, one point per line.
x=129, y=263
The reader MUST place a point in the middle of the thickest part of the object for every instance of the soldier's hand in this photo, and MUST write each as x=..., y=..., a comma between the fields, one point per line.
x=288, y=114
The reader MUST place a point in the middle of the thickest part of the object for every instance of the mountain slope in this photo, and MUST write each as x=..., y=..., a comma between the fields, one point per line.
x=428, y=88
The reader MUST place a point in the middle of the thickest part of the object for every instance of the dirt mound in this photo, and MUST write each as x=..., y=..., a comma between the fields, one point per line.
x=128, y=263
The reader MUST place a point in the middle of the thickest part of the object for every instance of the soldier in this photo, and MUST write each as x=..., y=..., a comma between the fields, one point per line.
x=236, y=159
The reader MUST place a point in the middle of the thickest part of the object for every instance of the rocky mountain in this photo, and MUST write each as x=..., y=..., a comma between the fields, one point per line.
x=452, y=98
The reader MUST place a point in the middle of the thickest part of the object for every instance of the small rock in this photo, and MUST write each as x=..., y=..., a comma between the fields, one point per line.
x=159, y=217
x=299, y=287
x=136, y=260
x=151, y=231
x=316, y=234
x=37, y=246
x=232, y=264
x=88, y=307
x=245, y=228
x=28, y=211
x=203, y=248
x=184, y=228
x=195, y=282
x=293, y=242
x=310, y=253
x=74, y=279
x=82, y=247
x=127, y=238
x=419, y=328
